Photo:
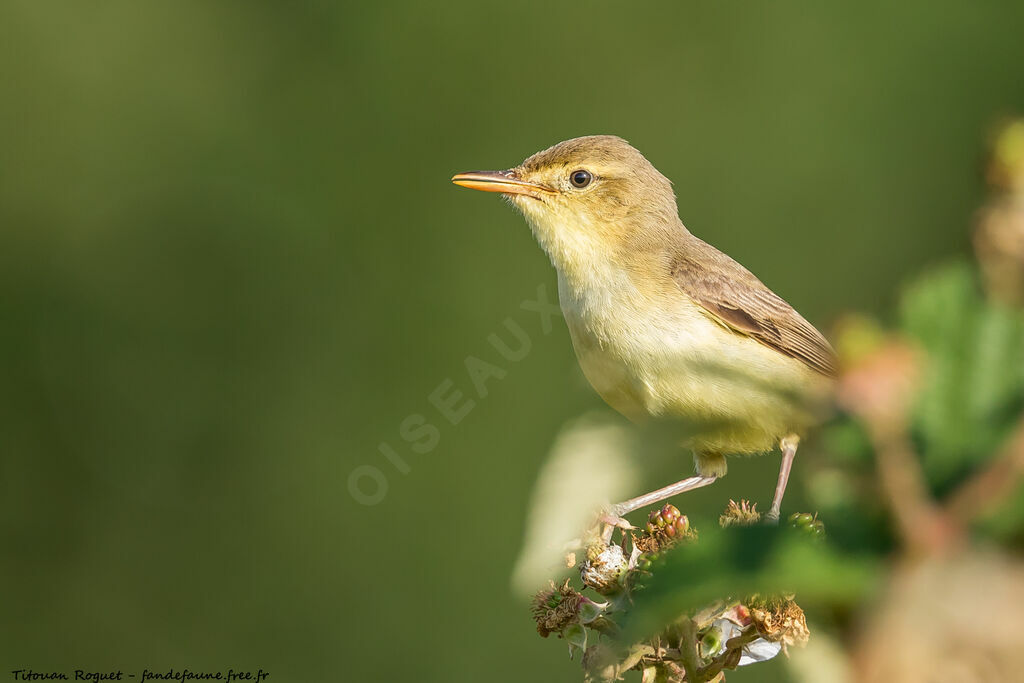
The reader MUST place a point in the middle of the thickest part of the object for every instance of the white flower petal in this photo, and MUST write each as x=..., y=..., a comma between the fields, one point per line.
x=760, y=650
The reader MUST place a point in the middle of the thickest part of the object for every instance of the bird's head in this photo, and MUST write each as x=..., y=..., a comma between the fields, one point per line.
x=586, y=198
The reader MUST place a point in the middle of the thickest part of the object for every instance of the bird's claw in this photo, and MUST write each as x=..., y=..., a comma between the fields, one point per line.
x=614, y=520
x=609, y=521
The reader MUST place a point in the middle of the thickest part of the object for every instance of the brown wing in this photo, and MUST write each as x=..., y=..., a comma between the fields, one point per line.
x=734, y=297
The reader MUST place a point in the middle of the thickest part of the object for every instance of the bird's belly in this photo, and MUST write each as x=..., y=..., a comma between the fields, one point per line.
x=730, y=393
x=613, y=379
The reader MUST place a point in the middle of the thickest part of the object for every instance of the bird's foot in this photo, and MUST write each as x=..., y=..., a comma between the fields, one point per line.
x=609, y=520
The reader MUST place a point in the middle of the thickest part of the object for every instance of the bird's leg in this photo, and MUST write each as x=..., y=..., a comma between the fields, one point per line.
x=613, y=518
x=788, y=446
x=661, y=494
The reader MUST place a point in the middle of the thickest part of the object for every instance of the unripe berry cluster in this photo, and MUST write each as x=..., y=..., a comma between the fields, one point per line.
x=807, y=523
x=668, y=521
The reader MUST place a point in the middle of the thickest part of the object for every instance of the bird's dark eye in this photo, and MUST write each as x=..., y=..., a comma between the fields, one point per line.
x=580, y=178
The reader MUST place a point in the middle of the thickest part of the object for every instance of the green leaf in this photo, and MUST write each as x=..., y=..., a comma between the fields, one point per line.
x=973, y=387
x=589, y=611
x=576, y=636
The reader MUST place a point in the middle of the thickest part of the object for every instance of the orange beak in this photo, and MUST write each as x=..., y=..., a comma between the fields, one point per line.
x=506, y=182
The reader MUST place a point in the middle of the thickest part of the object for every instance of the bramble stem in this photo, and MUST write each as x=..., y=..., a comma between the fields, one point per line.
x=992, y=485
x=688, y=650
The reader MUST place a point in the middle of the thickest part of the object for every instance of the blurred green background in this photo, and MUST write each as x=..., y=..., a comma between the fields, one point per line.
x=232, y=264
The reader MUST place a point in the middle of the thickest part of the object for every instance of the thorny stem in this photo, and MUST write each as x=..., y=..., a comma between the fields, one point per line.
x=924, y=525
x=879, y=391
x=990, y=487
x=921, y=523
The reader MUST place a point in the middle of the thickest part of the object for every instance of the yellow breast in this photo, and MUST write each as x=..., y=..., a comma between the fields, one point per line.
x=661, y=357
